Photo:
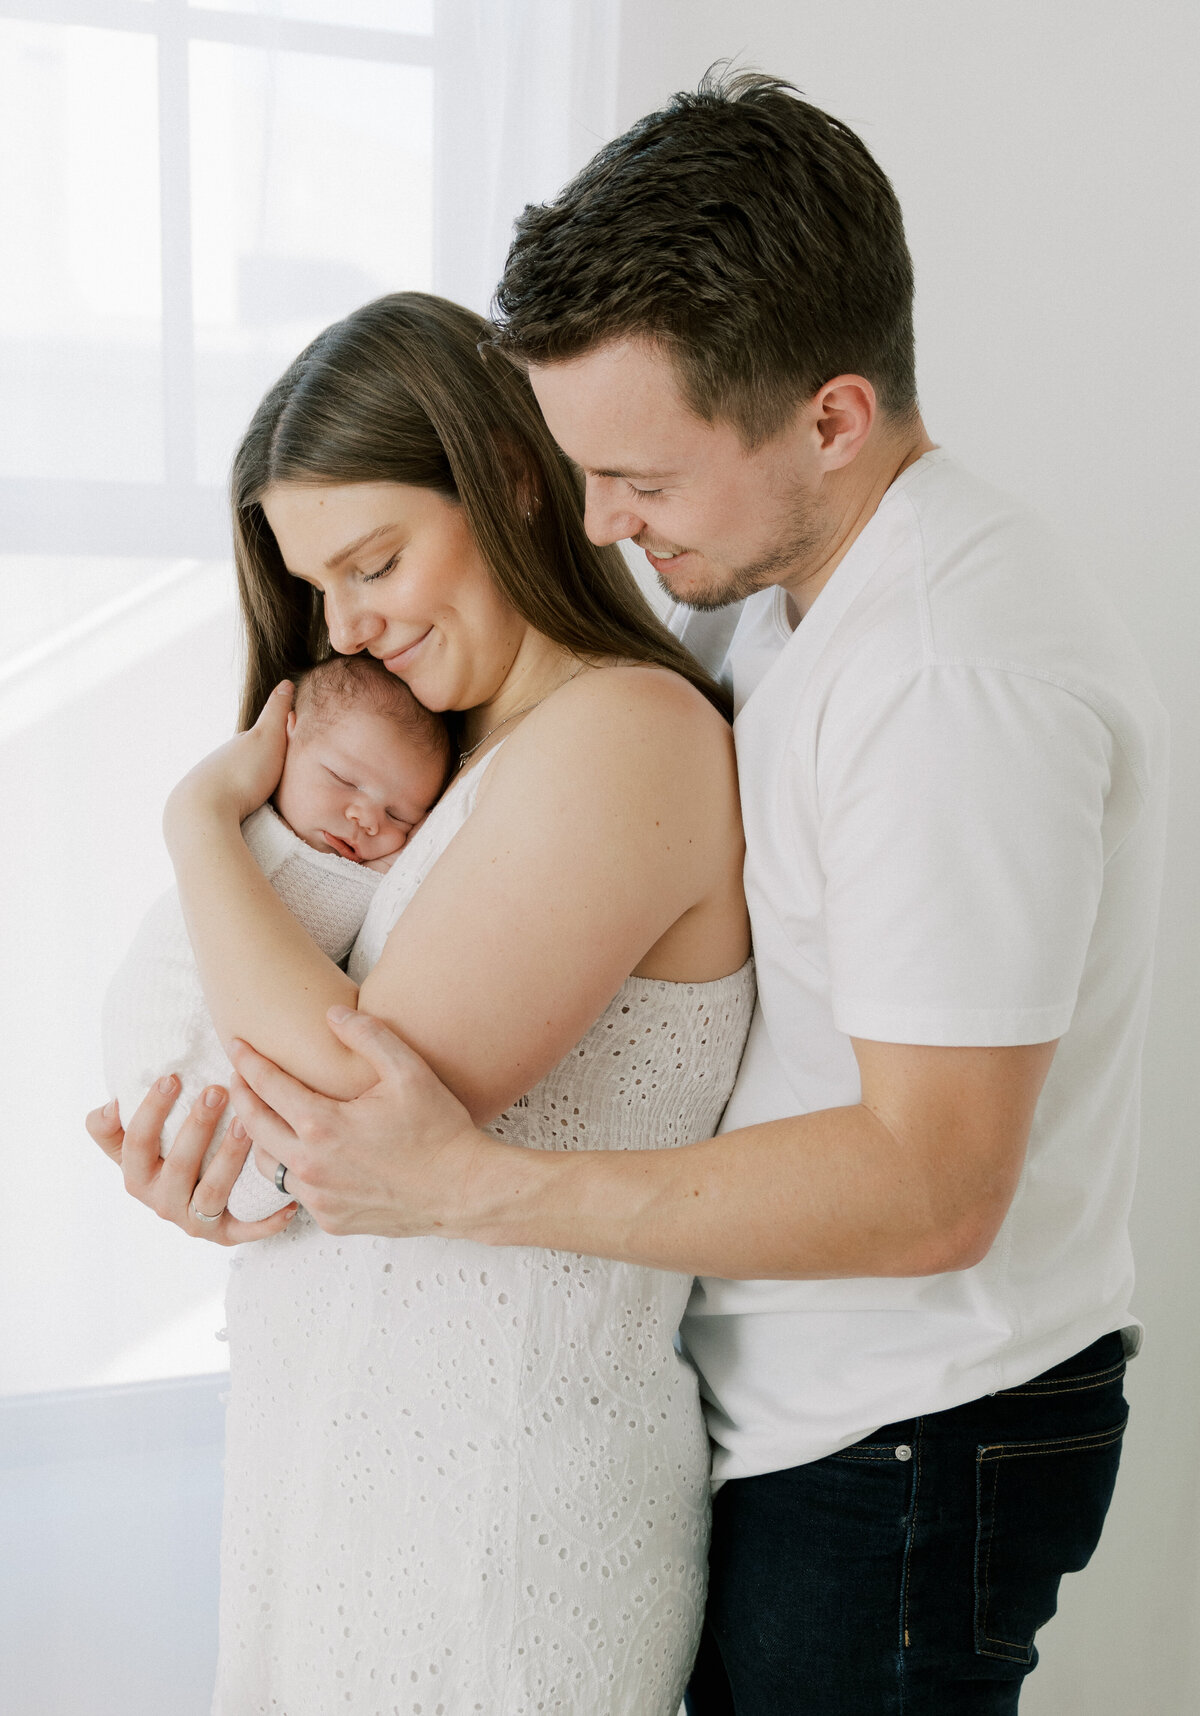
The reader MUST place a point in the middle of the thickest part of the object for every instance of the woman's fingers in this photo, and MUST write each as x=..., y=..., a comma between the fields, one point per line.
x=140, y=1147
x=211, y=1195
x=212, y=1189
x=274, y=711
x=184, y=1163
x=189, y=1190
x=231, y=1231
x=104, y=1128
x=180, y=1185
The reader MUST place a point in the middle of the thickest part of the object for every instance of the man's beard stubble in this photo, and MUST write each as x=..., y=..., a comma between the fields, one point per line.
x=801, y=543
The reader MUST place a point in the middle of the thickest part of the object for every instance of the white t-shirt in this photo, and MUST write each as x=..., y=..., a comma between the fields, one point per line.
x=952, y=777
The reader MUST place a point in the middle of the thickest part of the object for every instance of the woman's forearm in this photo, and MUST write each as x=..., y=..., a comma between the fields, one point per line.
x=264, y=979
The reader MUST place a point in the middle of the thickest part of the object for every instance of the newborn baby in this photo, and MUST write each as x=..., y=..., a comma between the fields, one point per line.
x=365, y=762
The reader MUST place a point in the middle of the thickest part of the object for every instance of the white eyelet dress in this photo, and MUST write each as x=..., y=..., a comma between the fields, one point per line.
x=465, y=1480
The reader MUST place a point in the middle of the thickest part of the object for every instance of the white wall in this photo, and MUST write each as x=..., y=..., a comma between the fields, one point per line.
x=95, y=1290
x=1045, y=154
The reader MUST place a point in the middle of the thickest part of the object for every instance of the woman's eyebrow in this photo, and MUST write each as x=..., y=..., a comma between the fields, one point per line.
x=353, y=547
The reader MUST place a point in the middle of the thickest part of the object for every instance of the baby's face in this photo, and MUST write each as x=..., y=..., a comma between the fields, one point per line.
x=354, y=784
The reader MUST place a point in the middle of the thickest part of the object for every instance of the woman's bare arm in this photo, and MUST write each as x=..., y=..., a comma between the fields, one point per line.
x=605, y=831
x=604, y=828
x=263, y=976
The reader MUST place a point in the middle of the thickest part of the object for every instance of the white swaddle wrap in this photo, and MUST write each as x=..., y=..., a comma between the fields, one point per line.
x=155, y=1019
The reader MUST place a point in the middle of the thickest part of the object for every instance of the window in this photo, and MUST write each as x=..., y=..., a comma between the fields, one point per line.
x=190, y=191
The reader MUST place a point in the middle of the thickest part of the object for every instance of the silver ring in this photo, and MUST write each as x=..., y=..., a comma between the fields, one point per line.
x=200, y=1216
x=280, y=1179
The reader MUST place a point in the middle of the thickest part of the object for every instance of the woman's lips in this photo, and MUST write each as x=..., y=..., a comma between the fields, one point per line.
x=397, y=663
x=342, y=847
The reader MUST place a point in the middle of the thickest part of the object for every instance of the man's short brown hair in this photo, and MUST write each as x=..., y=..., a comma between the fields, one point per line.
x=750, y=234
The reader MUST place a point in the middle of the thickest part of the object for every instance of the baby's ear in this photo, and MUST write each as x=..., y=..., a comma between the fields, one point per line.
x=291, y=722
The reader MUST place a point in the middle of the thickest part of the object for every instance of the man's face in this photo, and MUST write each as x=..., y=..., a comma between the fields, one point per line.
x=715, y=520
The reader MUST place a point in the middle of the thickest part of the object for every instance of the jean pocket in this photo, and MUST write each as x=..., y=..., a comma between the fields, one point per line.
x=890, y=1445
x=1040, y=1506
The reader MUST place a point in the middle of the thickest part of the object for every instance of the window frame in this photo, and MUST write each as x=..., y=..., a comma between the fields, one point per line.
x=178, y=516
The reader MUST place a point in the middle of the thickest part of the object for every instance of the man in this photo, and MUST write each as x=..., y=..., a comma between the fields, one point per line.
x=913, y=1304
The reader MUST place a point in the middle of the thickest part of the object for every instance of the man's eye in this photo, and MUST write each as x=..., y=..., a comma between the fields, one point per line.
x=390, y=566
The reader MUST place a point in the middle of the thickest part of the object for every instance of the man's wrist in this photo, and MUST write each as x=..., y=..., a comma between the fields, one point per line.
x=501, y=1192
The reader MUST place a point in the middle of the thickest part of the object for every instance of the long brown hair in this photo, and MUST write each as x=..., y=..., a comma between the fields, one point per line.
x=406, y=390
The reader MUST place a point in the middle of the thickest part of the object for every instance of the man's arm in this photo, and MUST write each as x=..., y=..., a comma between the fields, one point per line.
x=913, y=1180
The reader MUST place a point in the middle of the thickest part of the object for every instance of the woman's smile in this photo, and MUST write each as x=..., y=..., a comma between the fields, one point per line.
x=400, y=660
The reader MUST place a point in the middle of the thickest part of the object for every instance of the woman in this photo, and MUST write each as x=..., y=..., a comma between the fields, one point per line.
x=459, y=1478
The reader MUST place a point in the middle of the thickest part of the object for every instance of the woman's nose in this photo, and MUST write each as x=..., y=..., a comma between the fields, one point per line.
x=350, y=627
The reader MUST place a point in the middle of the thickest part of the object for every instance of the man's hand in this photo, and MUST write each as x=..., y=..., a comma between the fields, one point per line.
x=915, y=1179
x=397, y=1160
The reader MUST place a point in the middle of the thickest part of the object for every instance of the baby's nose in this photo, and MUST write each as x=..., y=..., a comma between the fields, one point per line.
x=361, y=811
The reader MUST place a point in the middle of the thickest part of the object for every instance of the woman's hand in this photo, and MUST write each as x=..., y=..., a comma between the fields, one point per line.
x=173, y=1186
x=239, y=776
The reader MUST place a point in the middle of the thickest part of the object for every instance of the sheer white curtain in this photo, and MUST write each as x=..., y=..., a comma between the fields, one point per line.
x=538, y=101
x=188, y=192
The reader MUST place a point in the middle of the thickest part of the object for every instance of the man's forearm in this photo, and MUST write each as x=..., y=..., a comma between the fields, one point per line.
x=915, y=1179
x=819, y=1195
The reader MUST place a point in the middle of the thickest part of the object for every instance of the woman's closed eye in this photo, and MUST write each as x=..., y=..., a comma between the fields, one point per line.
x=642, y=493
x=388, y=566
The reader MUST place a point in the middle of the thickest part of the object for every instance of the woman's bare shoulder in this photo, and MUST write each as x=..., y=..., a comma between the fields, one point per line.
x=621, y=749
x=627, y=708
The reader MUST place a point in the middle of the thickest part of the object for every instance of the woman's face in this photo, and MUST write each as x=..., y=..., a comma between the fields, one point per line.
x=402, y=579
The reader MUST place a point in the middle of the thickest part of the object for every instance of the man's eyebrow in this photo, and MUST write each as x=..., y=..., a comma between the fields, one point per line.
x=353, y=547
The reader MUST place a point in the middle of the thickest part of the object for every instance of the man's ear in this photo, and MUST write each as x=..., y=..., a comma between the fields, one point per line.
x=843, y=411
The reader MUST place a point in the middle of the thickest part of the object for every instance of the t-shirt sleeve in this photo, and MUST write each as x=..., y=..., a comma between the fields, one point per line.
x=961, y=839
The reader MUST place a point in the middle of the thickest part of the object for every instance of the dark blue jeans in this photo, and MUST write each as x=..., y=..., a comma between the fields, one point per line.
x=908, y=1574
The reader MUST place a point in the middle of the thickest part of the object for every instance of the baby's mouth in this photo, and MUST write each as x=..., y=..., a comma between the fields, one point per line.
x=341, y=847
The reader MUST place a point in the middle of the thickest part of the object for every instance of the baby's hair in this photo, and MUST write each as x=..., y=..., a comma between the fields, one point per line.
x=325, y=690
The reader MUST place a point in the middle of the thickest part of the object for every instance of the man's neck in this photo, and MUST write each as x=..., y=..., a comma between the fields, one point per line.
x=852, y=497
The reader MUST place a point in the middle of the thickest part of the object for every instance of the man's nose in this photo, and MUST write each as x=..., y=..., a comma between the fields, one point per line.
x=606, y=513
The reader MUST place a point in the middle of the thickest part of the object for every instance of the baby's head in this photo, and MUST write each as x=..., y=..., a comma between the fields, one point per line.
x=365, y=760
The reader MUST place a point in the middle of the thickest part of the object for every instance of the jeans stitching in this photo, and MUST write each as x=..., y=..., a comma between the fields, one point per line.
x=908, y=1545
x=1098, y=1439
x=997, y=1451
x=1069, y=1384
x=868, y=1459
x=987, y=1568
